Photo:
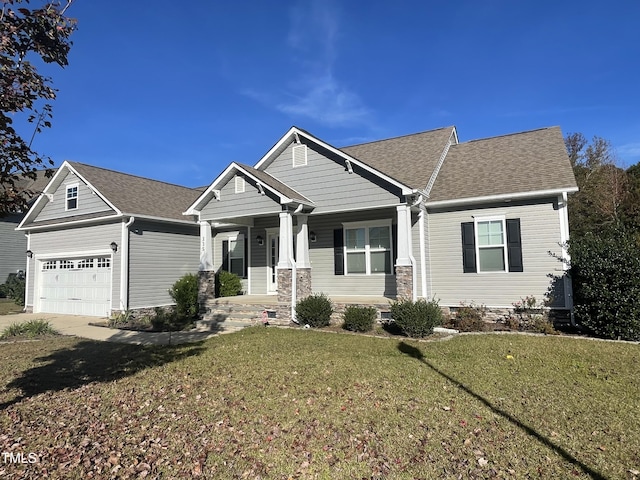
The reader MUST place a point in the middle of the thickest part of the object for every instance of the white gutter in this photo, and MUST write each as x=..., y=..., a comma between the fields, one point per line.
x=75, y=222
x=501, y=198
x=124, y=265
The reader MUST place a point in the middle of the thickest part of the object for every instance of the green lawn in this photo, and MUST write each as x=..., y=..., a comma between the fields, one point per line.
x=280, y=403
x=8, y=306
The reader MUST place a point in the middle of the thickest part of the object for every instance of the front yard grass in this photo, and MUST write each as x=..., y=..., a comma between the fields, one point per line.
x=8, y=306
x=285, y=403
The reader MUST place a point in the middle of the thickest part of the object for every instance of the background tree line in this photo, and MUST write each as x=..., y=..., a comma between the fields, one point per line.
x=604, y=224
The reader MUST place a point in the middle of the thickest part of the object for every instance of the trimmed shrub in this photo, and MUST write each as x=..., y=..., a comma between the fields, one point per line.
x=185, y=293
x=416, y=319
x=606, y=284
x=359, y=319
x=315, y=311
x=228, y=284
x=469, y=318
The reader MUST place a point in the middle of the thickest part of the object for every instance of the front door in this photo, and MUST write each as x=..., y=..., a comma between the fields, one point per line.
x=273, y=243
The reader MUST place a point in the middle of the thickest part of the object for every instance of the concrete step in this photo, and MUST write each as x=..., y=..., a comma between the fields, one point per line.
x=221, y=326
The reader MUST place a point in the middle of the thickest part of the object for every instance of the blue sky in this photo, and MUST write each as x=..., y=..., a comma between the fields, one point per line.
x=177, y=90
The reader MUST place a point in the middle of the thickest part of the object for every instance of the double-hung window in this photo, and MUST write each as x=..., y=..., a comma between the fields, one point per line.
x=491, y=245
x=367, y=248
x=233, y=255
x=72, y=197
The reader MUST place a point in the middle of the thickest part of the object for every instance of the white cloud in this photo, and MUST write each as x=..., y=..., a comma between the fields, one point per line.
x=629, y=153
x=315, y=92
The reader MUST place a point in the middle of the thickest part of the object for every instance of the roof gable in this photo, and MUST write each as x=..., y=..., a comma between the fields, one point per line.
x=527, y=162
x=120, y=193
x=263, y=180
x=410, y=159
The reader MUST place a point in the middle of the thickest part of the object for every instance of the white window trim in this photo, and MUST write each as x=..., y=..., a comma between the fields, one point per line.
x=302, y=159
x=367, y=248
x=240, y=184
x=239, y=236
x=493, y=218
x=66, y=196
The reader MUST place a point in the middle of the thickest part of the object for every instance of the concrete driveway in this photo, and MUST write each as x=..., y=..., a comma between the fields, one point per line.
x=78, y=326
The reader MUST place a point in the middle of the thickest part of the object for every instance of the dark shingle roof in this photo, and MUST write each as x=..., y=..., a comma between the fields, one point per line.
x=410, y=159
x=275, y=184
x=521, y=162
x=137, y=195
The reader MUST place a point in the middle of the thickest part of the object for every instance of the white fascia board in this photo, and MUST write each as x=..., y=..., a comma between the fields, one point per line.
x=88, y=183
x=66, y=224
x=406, y=190
x=194, y=208
x=285, y=138
x=48, y=190
x=160, y=219
x=43, y=195
x=501, y=198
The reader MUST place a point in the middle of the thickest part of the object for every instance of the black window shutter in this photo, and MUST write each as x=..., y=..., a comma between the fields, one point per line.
x=514, y=245
x=225, y=255
x=468, y=248
x=338, y=251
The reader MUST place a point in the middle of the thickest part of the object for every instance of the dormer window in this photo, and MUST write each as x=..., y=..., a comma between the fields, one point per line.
x=72, y=197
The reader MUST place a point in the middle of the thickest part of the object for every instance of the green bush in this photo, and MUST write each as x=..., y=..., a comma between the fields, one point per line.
x=359, y=319
x=606, y=284
x=416, y=319
x=14, y=288
x=30, y=329
x=185, y=293
x=227, y=284
x=469, y=318
x=315, y=311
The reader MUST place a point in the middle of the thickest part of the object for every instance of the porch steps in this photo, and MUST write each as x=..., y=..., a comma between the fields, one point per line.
x=226, y=316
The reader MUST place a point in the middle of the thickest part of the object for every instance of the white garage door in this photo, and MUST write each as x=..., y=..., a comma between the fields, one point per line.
x=76, y=286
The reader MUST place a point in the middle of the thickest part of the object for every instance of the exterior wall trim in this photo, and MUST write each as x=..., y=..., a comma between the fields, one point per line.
x=503, y=197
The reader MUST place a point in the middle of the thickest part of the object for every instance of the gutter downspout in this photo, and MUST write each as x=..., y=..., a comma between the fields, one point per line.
x=26, y=276
x=124, y=265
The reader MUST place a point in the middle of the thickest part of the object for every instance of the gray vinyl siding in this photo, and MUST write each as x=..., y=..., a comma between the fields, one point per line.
x=540, y=234
x=88, y=202
x=159, y=254
x=71, y=243
x=13, y=246
x=326, y=182
x=323, y=278
x=415, y=246
x=231, y=204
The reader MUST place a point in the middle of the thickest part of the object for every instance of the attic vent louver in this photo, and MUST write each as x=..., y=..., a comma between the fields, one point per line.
x=299, y=155
x=239, y=184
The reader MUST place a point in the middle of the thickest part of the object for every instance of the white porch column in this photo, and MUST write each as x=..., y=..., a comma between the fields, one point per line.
x=302, y=243
x=403, y=255
x=285, y=252
x=206, y=254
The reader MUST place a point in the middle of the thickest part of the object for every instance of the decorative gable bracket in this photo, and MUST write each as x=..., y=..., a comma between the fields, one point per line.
x=216, y=194
x=260, y=188
x=349, y=166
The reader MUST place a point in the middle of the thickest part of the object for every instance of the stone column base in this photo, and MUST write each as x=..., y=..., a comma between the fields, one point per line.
x=284, y=295
x=206, y=289
x=303, y=283
x=404, y=281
